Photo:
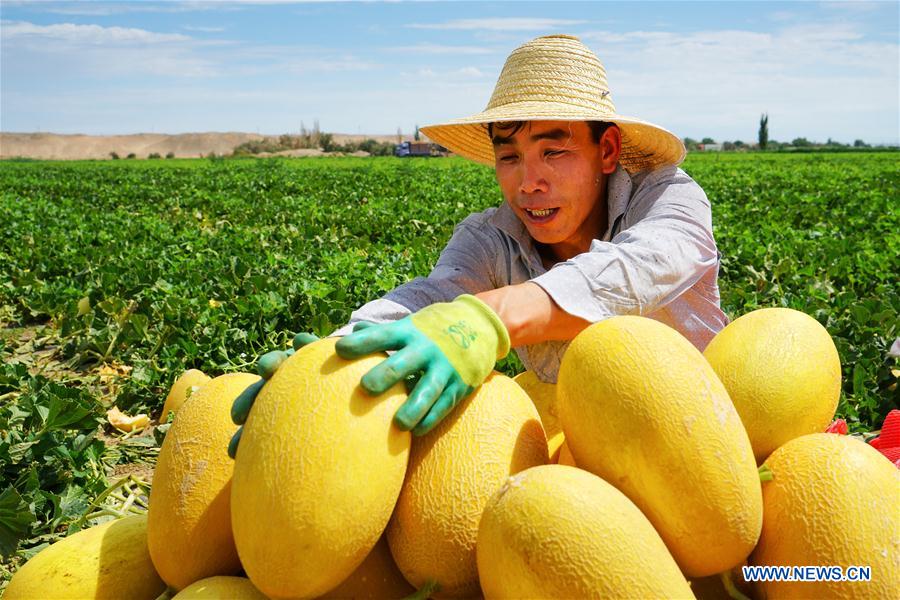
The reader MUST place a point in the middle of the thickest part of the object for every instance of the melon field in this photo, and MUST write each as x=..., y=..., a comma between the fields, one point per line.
x=117, y=276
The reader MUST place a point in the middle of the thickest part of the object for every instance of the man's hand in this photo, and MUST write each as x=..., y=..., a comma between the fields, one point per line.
x=453, y=344
x=266, y=366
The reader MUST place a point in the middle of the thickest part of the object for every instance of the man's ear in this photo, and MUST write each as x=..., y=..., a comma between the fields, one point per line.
x=610, y=148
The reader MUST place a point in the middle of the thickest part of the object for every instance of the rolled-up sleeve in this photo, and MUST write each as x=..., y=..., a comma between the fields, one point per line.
x=665, y=247
x=465, y=266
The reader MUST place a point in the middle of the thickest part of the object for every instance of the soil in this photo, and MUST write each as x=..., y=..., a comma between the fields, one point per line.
x=183, y=145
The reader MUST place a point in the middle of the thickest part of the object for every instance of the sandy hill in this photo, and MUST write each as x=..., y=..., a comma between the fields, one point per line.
x=182, y=145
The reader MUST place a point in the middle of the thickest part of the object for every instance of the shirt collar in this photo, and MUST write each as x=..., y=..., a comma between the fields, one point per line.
x=618, y=193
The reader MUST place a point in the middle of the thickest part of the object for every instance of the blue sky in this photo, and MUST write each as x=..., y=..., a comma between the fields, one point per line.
x=819, y=69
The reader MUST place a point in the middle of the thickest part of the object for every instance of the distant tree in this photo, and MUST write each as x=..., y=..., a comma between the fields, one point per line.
x=860, y=144
x=708, y=140
x=738, y=144
x=691, y=144
x=170, y=154
x=286, y=141
x=728, y=146
x=326, y=142
x=114, y=155
x=801, y=142
x=376, y=148
x=131, y=155
x=763, y=131
x=154, y=155
x=416, y=134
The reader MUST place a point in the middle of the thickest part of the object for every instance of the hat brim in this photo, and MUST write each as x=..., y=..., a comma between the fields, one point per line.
x=644, y=145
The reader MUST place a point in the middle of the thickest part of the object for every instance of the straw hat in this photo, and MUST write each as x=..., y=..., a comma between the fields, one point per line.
x=557, y=78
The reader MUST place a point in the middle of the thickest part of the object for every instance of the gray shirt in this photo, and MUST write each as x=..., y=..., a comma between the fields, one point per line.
x=658, y=258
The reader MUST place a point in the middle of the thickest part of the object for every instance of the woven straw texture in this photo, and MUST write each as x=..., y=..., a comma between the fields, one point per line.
x=557, y=78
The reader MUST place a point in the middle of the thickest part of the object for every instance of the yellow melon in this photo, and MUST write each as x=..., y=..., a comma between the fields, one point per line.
x=317, y=473
x=565, y=456
x=714, y=587
x=782, y=372
x=559, y=532
x=220, y=588
x=832, y=500
x=184, y=386
x=377, y=578
x=124, y=422
x=543, y=395
x=189, y=530
x=643, y=409
x=105, y=562
x=453, y=471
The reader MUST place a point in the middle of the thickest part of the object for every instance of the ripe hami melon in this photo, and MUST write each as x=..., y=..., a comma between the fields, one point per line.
x=186, y=384
x=642, y=409
x=543, y=395
x=782, y=372
x=105, y=562
x=832, y=500
x=189, y=530
x=317, y=473
x=453, y=471
x=555, y=531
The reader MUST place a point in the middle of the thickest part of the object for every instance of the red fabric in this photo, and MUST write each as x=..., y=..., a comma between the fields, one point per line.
x=888, y=443
x=890, y=432
x=838, y=426
x=893, y=454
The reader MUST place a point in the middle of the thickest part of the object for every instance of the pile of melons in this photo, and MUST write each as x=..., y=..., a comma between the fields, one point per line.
x=648, y=470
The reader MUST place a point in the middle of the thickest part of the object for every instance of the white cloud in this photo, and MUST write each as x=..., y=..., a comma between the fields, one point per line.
x=823, y=79
x=449, y=75
x=258, y=59
x=94, y=8
x=440, y=49
x=102, y=52
x=470, y=72
x=101, y=9
x=858, y=6
x=782, y=15
x=814, y=79
x=500, y=24
x=184, y=107
x=202, y=29
x=66, y=50
x=19, y=31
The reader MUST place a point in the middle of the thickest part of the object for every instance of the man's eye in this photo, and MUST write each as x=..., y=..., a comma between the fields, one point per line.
x=508, y=158
x=552, y=153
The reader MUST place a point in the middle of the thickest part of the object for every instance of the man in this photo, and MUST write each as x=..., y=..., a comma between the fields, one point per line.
x=598, y=221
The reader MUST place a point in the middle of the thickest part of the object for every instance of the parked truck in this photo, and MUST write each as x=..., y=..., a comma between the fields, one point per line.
x=419, y=149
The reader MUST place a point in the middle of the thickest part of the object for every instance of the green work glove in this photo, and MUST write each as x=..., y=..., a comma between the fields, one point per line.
x=266, y=365
x=453, y=344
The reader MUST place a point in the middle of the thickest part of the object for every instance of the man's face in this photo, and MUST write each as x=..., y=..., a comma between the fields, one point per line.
x=553, y=175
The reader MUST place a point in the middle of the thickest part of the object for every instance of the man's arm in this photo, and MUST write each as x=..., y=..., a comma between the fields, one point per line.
x=530, y=314
x=640, y=270
x=665, y=249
